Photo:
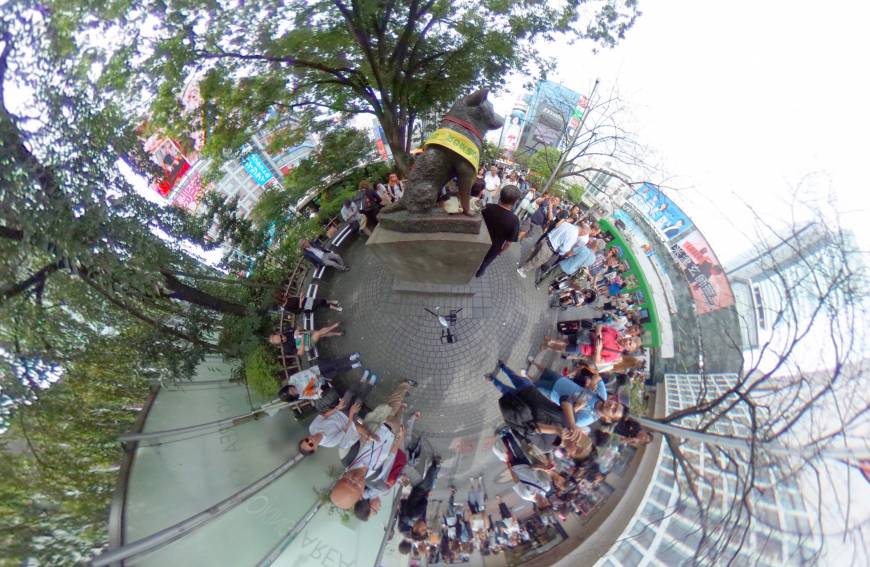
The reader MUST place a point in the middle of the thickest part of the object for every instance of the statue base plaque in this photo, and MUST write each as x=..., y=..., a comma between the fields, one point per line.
x=431, y=221
x=447, y=258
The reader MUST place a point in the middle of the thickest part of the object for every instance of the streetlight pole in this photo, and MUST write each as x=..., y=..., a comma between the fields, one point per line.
x=573, y=139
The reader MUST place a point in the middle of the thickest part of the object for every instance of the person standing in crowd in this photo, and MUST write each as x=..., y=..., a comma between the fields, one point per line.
x=412, y=510
x=370, y=458
x=522, y=208
x=338, y=427
x=558, y=242
x=502, y=224
x=318, y=255
x=493, y=184
x=541, y=211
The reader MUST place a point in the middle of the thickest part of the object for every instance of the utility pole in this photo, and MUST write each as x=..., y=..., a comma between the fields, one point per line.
x=573, y=139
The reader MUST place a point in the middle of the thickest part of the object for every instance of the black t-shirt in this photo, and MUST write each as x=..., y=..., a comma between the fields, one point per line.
x=503, y=225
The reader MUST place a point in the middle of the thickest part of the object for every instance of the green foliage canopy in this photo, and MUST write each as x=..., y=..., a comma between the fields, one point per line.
x=396, y=60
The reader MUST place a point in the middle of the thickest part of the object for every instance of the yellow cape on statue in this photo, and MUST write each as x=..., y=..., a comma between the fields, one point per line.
x=459, y=143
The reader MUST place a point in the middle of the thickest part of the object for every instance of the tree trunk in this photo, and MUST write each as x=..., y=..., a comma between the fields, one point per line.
x=183, y=292
x=36, y=279
x=395, y=135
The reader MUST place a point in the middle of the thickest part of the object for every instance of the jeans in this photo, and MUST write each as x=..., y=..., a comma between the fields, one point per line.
x=428, y=481
x=519, y=382
x=332, y=367
x=358, y=392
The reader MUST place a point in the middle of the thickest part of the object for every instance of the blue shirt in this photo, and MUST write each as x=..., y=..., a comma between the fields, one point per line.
x=583, y=256
x=567, y=388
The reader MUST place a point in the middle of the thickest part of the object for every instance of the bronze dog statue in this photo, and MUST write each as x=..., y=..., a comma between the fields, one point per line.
x=452, y=151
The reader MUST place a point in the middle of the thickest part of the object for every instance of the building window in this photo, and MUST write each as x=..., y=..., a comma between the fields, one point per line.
x=759, y=307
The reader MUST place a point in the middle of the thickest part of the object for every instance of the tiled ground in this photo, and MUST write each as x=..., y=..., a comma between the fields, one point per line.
x=502, y=317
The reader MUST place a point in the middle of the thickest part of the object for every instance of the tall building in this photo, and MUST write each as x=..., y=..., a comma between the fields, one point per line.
x=666, y=529
x=785, y=271
x=554, y=111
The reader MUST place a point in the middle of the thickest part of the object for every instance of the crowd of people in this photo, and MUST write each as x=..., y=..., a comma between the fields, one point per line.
x=561, y=428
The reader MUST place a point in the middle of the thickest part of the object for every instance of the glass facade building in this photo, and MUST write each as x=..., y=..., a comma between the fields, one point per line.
x=668, y=528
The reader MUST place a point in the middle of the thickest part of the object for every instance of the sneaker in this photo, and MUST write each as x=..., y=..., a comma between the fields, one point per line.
x=354, y=356
x=499, y=364
x=521, y=273
x=530, y=359
x=524, y=373
x=365, y=375
x=373, y=380
x=413, y=383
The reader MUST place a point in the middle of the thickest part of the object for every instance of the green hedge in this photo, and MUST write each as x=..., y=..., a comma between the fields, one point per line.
x=652, y=335
x=260, y=371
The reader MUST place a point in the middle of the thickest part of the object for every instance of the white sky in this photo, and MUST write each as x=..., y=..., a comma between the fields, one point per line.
x=741, y=100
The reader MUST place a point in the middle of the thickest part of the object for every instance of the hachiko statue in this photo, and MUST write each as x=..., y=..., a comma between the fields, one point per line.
x=452, y=151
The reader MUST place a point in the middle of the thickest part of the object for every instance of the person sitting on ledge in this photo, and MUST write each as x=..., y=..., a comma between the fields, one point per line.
x=310, y=383
x=304, y=340
x=351, y=214
x=300, y=303
x=318, y=255
x=603, y=345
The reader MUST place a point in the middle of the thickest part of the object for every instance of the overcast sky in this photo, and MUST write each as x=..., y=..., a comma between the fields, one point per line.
x=742, y=100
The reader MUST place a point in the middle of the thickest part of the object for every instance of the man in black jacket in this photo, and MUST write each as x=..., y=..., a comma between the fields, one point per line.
x=412, y=510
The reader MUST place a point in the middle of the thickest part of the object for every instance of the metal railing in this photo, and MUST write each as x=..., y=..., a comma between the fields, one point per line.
x=164, y=537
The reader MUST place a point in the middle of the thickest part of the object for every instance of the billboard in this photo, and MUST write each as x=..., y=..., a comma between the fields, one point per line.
x=257, y=168
x=660, y=212
x=551, y=113
x=167, y=154
x=380, y=139
x=707, y=282
x=513, y=128
x=190, y=193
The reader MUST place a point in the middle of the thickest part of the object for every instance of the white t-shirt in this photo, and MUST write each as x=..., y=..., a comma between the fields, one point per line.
x=337, y=430
x=493, y=182
x=373, y=454
x=308, y=382
x=531, y=482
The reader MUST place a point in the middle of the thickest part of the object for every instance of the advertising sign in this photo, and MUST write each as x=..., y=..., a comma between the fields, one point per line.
x=514, y=127
x=707, y=282
x=257, y=168
x=661, y=213
x=190, y=193
x=380, y=141
x=167, y=154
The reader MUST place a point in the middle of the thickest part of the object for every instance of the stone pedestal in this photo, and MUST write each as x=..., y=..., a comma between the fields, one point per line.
x=445, y=258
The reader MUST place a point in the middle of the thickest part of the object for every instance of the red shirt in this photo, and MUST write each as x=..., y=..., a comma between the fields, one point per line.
x=398, y=465
x=610, y=350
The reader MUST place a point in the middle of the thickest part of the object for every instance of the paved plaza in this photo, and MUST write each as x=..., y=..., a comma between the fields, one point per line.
x=502, y=317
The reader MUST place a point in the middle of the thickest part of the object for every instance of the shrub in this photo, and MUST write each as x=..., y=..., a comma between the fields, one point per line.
x=260, y=371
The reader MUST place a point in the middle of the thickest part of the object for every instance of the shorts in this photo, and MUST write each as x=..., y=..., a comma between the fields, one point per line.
x=526, y=225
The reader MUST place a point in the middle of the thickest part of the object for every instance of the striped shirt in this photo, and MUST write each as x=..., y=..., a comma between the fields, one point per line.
x=374, y=453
